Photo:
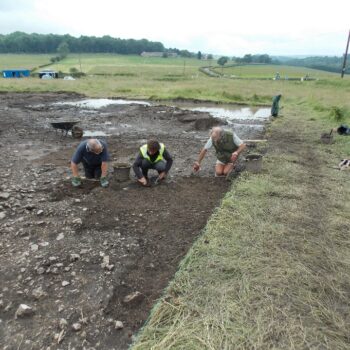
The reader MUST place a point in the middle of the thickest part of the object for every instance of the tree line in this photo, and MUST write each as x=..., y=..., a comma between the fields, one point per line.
x=19, y=42
x=326, y=63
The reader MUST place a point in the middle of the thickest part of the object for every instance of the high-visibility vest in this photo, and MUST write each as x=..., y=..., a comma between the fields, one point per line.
x=143, y=150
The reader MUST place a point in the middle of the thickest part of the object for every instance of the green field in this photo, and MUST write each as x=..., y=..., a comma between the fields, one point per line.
x=172, y=78
x=269, y=71
x=10, y=61
x=271, y=269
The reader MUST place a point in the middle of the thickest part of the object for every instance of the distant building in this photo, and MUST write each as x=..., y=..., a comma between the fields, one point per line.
x=48, y=73
x=158, y=54
x=152, y=54
x=15, y=73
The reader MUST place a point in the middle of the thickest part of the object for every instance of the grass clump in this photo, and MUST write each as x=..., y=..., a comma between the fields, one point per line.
x=271, y=270
x=338, y=114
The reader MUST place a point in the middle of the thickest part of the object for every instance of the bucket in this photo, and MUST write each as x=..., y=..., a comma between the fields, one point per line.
x=253, y=163
x=327, y=138
x=121, y=171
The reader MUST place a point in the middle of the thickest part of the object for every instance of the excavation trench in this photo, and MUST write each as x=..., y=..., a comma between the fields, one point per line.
x=97, y=255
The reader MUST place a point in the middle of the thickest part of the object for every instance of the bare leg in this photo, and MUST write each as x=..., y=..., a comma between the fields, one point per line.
x=219, y=169
x=228, y=168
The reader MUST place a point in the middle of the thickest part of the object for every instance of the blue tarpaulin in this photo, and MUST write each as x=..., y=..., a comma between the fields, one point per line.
x=15, y=73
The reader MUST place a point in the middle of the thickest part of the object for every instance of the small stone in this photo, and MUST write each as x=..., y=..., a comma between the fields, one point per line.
x=40, y=270
x=24, y=311
x=109, y=267
x=38, y=293
x=105, y=261
x=4, y=195
x=60, y=236
x=34, y=247
x=118, y=325
x=40, y=212
x=30, y=206
x=65, y=283
x=133, y=298
x=77, y=222
x=74, y=257
x=76, y=327
x=63, y=323
x=2, y=215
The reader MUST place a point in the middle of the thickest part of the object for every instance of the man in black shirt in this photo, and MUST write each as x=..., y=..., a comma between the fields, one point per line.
x=152, y=155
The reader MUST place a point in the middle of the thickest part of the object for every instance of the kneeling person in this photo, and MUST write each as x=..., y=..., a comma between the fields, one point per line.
x=228, y=146
x=93, y=153
x=152, y=155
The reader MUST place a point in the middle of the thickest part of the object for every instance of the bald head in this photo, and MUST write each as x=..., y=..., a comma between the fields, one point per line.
x=216, y=133
x=94, y=146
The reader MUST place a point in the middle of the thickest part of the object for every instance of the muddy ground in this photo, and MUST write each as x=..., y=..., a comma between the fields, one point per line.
x=91, y=262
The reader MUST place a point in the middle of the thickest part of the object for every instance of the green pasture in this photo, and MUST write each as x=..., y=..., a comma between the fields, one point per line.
x=269, y=71
x=10, y=61
x=177, y=78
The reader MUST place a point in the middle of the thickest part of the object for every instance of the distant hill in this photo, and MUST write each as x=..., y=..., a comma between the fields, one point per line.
x=327, y=63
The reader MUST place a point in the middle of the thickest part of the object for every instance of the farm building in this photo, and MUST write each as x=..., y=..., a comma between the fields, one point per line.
x=158, y=54
x=15, y=73
x=46, y=73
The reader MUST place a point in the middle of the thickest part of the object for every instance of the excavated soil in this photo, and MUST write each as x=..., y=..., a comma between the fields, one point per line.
x=84, y=259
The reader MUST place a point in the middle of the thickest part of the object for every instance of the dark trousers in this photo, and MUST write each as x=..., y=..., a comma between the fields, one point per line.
x=92, y=171
x=146, y=165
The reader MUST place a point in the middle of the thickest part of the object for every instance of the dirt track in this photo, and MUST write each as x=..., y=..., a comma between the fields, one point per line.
x=73, y=255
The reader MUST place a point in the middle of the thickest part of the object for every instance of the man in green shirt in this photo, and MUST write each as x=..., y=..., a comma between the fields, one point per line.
x=228, y=146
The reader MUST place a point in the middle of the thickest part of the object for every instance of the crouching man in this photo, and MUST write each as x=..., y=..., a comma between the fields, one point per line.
x=228, y=146
x=93, y=153
x=152, y=155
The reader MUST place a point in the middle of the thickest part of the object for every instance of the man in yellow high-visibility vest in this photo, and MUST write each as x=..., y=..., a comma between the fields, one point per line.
x=152, y=155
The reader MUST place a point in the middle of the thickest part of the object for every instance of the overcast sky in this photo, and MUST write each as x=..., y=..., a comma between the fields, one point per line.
x=226, y=27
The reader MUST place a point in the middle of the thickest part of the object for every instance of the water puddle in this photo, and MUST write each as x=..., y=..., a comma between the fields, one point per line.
x=100, y=103
x=229, y=113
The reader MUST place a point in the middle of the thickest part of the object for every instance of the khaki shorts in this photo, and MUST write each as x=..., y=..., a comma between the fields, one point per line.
x=222, y=163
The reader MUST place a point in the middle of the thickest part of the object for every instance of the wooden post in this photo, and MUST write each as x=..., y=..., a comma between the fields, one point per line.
x=345, y=57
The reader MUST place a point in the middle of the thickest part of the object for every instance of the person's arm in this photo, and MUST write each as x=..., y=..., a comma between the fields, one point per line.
x=75, y=169
x=197, y=164
x=169, y=161
x=236, y=154
x=104, y=169
x=241, y=147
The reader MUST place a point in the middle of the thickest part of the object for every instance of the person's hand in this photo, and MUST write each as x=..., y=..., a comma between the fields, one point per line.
x=196, y=166
x=234, y=156
x=162, y=175
x=104, y=181
x=143, y=181
x=76, y=181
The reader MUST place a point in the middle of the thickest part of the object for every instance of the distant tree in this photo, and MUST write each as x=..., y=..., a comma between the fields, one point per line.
x=210, y=56
x=63, y=50
x=199, y=55
x=247, y=58
x=185, y=53
x=222, y=60
x=165, y=55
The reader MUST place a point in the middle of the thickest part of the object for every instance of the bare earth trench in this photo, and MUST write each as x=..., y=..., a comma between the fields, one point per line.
x=91, y=262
